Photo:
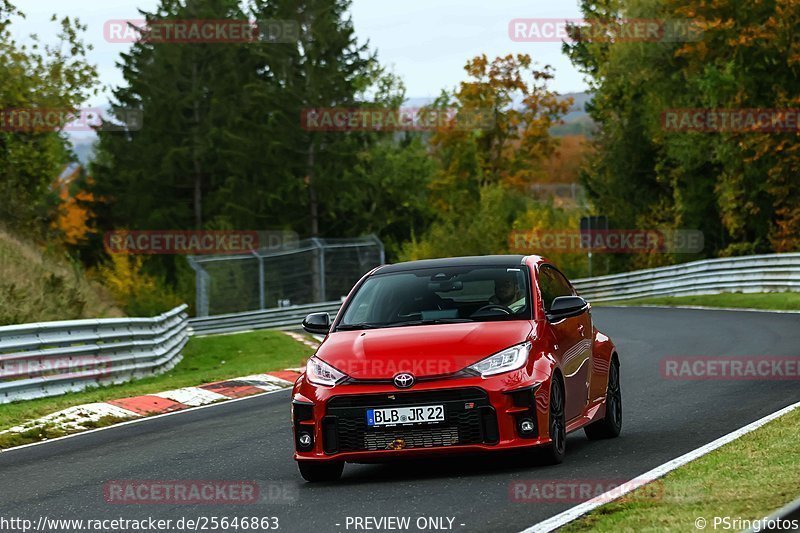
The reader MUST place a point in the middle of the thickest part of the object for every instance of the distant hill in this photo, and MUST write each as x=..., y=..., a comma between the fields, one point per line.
x=576, y=122
x=83, y=147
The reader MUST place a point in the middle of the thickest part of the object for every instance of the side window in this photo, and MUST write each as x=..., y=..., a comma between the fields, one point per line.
x=563, y=286
x=552, y=285
x=546, y=287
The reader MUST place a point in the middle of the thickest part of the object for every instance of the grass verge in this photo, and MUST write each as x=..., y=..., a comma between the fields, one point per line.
x=748, y=479
x=772, y=301
x=205, y=359
x=51, y=431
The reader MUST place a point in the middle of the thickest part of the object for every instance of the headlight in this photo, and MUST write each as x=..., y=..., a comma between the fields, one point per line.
x=509, y=359
x=321, y=373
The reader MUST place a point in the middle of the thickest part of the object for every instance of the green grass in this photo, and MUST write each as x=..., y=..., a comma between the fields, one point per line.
x=774, y=301
x=205, y=359
x=748, y=478
x=51, y=431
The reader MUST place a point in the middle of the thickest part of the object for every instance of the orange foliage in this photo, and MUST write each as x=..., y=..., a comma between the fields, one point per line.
x=73, y=217
x=760, y=47
x=513, y=142
x=563, y=165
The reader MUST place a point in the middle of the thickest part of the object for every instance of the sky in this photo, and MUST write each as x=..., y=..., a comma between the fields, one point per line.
x=426, y=42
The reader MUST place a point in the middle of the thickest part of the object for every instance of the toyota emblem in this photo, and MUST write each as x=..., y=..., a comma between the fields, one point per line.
x=403, y=381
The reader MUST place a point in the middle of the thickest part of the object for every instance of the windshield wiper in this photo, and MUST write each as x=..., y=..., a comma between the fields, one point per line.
x=356, y=327
x=428, y=322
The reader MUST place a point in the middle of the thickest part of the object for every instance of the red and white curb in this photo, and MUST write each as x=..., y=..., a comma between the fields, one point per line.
x=302, y=338
x=83, y=417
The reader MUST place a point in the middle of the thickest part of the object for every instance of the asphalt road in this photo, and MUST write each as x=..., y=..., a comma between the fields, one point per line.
x=250, y=440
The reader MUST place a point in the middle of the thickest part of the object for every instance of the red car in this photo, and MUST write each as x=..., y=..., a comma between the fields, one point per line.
x=473, y=354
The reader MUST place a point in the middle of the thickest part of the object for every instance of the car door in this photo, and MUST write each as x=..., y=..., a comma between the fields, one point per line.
x=573, y=336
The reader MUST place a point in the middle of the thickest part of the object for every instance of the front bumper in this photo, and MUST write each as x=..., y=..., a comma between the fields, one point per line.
x=481, y=415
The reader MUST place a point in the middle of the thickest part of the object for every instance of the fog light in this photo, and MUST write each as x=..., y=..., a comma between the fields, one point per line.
x=526, y=426
x=305, y=440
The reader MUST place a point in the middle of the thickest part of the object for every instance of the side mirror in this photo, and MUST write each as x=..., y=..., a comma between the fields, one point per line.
x=567, y=306
x=319, y=323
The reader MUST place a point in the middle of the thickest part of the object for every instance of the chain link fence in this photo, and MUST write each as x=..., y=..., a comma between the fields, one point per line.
x=303, y=272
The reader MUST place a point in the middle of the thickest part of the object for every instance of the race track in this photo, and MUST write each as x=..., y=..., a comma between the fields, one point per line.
x=250, y=440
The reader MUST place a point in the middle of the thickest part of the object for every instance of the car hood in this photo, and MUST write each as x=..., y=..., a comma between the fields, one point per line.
x=431, y=350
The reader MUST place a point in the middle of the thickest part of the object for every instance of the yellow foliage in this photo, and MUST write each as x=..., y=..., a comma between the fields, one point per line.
x=138, y=292
x=124, y=277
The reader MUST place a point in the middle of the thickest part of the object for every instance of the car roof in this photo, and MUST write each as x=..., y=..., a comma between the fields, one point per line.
x=484, y=260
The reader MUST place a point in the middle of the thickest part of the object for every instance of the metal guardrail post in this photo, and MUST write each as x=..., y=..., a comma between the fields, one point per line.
x=201, y=287
x=319, y=270
x=261, y=294
x=382, y=249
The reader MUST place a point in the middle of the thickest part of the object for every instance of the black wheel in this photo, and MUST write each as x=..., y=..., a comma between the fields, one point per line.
x=554, y=452
x=315, y=472
x=611, y=424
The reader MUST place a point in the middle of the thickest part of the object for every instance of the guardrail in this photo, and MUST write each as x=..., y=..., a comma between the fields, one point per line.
x=281, y=318
x=762, y=273
x=50, y=358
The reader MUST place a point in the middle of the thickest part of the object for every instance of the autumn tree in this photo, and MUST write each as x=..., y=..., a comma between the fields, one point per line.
x=489, y=153
x=39, y=75
x=738, y=186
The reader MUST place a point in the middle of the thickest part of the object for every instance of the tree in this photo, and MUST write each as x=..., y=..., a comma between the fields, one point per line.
x=750, y=58
x=484, y=170
x=50, y=76
x=326, y=67
x=165, y=172
x=738, y=187
x=392, y=179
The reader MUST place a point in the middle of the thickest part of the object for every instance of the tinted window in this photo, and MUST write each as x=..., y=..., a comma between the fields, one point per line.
x=552, y=285
x=442, y=294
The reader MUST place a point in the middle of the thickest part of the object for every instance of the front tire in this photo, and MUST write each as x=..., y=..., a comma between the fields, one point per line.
x=611, y=424
x=316, y=472
x=554, y=452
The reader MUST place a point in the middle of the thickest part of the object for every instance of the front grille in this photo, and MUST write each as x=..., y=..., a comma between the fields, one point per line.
x=412, y=437
x=345, y=425
x=400, y=399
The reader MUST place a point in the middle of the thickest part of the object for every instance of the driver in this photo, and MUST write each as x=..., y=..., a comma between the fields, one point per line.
x=507, y=292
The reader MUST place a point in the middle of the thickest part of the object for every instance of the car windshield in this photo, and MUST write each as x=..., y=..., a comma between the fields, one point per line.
x=436, y=296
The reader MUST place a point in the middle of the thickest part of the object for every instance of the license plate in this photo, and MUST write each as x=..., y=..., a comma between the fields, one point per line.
x=405, y=415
